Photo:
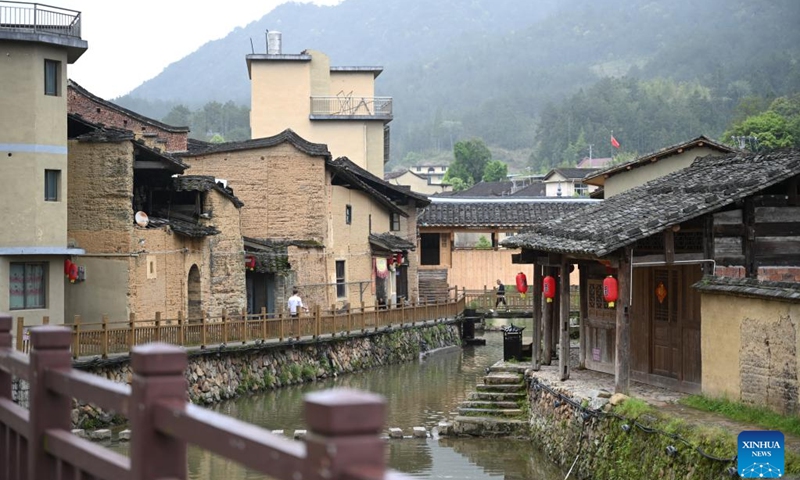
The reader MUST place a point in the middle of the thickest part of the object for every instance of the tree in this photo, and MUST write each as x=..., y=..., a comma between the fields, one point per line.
x=777, y=127
x=457, y=184
x=179, y=116
x=495, y=171
x=471, y=157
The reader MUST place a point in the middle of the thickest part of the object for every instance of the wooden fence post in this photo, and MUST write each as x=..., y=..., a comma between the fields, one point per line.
x=263, y=323
x=344, y=427
x=104, y=339
x=5, y=377
x=158, y=327
x=76, y=349
x=20, y=332
x=363, y=319
x=281, y=333
x=203, y=333
x=131, y=331
x=317, y=320
x=47, y=410
x=225, y=326
x=246, y=333
x=158, y=379
x=181, y=329
x=349, y=318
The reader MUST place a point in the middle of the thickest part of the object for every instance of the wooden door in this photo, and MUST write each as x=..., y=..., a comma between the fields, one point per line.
x=666, y=333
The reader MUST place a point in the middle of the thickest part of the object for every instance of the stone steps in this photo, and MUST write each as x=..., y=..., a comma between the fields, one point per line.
x=509, y=368
x=503, y=378
x=496, y=397
x=516, y=388
x=490, y=412
x=489, y=426
x=489, y=404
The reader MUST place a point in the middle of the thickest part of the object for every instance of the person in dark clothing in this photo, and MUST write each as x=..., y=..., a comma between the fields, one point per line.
x=501, y=295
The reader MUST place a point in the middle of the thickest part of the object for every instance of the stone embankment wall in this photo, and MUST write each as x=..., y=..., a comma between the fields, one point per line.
x=214, y=375
x=605, y=439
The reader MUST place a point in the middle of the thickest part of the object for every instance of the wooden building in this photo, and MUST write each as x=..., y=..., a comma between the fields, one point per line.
x=737, y=215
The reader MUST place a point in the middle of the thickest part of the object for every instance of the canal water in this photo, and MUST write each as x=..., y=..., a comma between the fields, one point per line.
x=418, y=394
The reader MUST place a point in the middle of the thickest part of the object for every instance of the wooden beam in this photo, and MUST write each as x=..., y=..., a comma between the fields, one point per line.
x=708, y=244
x=536, y=351
x=622, y=358
x=583, y=329
x=669, y=246
x=547, y=328
x=749, y=239
x=563, y=341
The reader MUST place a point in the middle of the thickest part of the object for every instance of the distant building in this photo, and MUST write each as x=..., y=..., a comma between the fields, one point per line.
x=335, y=106
x=568, y=182
x=434, y=173
x=417, y=182
x=589, y=162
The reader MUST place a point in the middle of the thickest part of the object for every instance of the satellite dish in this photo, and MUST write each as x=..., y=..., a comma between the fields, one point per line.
x=141, y=219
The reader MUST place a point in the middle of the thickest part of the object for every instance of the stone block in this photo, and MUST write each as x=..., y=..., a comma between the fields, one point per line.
x=420, y=432
x=395, y=433
x=124, y=436
x=79, y=432
x=101, y=434
x=299, y=434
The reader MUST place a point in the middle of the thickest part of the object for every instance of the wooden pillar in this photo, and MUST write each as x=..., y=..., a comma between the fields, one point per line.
x=536, y=351
x=563, y=342
x=76, y=338
x=583, y=327
x=158, y=327
x=131, y=331
x=5, y=342
x=749, y=239
x=622, y=358
x=158, y=377
x=547, y=328
x=20, y=332
x=48, y=410
x=556, y=314
x=345, y=449
x=181, y=329
x=104, y=346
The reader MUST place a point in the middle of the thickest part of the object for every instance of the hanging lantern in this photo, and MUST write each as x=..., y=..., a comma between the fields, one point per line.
x=67, y=266
x=522, y=283
x=73, y=273
x=610, y=293
x=661, y=292
x=549, y=288
x=250, y=262
x=399, y=258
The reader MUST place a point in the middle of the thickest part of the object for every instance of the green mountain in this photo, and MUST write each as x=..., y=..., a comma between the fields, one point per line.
x=526, y=76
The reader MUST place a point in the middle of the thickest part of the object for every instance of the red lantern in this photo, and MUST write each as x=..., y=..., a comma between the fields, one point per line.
x=398, y=258
x=522, y=283
x=250, y=262
x=73, y=273
x=67, y=266
x=610, y=293
x=549, y=288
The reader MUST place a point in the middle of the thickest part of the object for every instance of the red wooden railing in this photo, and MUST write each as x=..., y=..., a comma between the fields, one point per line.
x=343, y=442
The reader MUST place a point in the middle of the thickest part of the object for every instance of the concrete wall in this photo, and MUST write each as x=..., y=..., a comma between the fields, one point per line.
x=152, y=135
x=641, y=174
x=419, y=185
x=749, y=350
x=280, y=98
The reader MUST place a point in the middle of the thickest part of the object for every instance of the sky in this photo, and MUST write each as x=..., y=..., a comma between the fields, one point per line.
x=130, y=43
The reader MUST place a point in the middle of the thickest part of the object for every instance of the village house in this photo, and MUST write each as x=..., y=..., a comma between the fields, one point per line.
x=416, y=181
x=328, y=227
x=156, y=242
x=325, y=104
x=733, y=218
x=33, y=145
x=459, y=238
x=618, y=178
x=568, y=182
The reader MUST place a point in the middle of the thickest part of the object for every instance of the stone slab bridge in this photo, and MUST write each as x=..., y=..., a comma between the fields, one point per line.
x=343, y=442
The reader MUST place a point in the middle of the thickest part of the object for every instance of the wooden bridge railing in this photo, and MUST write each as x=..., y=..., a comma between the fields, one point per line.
x=106, y=337
x=484, y=300
x=343, y=442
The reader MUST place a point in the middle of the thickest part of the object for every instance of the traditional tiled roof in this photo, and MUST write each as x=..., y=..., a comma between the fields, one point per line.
x=197, y=147
x=537, y=189
x=750, y=287
x=701, y=141
x=497, y=213
x=125, y=111
x=571, y=173
x=182, y=227
x=344, y=166
x=486, y=189
x=709, y=184
x=392, y=175
x=390, y=242
x=204, y=183
x=143, y=152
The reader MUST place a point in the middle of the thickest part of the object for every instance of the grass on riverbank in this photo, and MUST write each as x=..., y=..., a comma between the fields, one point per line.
x=745, y=413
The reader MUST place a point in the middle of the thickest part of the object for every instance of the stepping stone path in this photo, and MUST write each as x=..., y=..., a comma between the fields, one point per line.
x=496, y=408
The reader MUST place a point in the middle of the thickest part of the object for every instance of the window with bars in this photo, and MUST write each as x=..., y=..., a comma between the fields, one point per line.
x=341, y=288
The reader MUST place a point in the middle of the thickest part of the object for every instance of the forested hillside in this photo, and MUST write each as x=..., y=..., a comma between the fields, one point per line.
x=535, y=80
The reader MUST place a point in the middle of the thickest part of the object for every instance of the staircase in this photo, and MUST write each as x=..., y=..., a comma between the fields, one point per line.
x=497, y=408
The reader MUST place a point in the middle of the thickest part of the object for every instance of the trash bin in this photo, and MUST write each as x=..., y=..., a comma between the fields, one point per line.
x=512, y=342
x=468, y=329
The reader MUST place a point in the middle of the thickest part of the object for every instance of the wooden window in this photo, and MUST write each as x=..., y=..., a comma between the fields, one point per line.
x=51, y=180
x=341, y=288
x=395, y=227
x=52, y=74
x=348, y=214
x=429, y=246
x=27, y=285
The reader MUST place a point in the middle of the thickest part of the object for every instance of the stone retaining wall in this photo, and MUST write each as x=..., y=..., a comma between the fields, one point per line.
x=218, y=374
x=608, y=444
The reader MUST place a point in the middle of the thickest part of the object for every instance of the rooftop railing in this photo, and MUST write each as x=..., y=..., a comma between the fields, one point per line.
x=351, y=106
x=38, y=18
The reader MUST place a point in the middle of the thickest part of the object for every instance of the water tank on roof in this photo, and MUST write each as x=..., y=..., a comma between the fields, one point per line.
x=273, y=43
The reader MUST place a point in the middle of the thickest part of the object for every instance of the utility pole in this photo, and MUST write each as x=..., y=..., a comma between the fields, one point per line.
x=590, y=154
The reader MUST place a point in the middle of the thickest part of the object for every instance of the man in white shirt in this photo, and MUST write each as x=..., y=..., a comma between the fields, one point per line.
x=295, y=302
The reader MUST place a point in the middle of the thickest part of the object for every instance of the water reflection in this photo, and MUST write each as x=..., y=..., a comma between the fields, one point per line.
x=417, y=394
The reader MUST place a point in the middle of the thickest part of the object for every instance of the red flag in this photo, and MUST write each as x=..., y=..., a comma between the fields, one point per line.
x=614, y=142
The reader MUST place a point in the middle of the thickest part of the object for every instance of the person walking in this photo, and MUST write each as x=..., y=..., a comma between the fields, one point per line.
x=501, y=295
x=295, y=303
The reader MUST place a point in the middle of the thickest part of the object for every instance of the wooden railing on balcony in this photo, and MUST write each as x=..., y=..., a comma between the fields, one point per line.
x=39, y=18
x=349, y=105
x=343, y=442
x=484, y=300
x=114, y=337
